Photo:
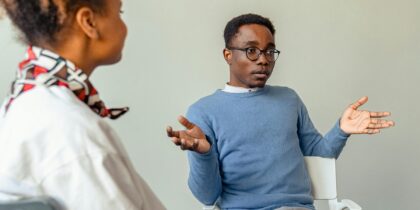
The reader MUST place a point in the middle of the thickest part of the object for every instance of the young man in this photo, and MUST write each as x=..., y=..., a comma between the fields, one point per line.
x=54, y=140
x=248, y=140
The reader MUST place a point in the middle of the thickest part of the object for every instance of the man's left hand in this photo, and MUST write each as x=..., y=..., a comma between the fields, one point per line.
x=356, y=121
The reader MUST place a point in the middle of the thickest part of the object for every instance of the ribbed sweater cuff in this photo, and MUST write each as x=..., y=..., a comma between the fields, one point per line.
x=339, y=132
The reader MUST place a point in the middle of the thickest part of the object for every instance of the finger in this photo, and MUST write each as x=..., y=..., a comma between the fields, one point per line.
x=188, y=145
x=359, y=102
x=371, y=131
x=378, y=125
x=169, y=131
x=388, y=123
x=373, y=125
x=375, y=121
x=392, y=123
x=379, y=114
x=176, y=141
x=382, y=121
x=172, y=133
x=184, y=121
x=195, y=144
x=183, y=144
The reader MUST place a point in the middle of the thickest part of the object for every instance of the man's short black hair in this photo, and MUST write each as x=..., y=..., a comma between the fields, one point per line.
x=233, y=25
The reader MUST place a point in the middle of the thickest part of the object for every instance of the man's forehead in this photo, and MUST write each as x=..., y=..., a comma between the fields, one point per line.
x=253, y=34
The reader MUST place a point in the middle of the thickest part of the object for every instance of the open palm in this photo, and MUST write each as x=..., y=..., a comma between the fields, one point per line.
x=356, y=121
x=190, y=139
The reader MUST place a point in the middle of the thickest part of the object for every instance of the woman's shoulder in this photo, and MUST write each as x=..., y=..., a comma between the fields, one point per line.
x=51, y=122
x=48, y=104
x=55, y=112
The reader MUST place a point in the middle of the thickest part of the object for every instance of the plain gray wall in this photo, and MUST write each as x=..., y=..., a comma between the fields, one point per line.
x=333, y=52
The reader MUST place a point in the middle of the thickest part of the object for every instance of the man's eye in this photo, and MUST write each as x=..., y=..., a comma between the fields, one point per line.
x=252, y=50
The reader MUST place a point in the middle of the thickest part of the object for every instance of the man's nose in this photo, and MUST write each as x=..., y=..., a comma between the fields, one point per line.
x=262, y=59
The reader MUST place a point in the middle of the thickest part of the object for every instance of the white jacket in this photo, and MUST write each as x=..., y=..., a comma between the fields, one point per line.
x=52, y=144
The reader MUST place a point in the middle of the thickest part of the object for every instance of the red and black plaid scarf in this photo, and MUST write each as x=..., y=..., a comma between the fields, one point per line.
x=41, y=66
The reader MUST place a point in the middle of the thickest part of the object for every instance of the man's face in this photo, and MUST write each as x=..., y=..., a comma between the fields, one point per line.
x=244, y=72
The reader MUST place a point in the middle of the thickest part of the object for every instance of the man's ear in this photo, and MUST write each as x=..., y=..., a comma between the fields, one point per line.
x=86, y=20
x=227, y=54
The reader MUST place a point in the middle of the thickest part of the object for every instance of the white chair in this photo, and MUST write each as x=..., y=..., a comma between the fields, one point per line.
x=36, y=203
x=324, y=186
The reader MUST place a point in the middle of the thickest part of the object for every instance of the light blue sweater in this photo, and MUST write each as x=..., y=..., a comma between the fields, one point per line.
x=258, y=143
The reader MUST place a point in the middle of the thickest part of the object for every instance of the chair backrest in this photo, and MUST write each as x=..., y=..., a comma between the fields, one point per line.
x=323, y=178
x=324, y=187
x=38, y=203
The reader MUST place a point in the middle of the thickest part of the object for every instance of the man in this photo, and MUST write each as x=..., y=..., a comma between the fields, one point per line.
x=248, y=140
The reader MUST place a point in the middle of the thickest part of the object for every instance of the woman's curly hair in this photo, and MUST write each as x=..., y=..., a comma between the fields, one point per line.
x=41, y=20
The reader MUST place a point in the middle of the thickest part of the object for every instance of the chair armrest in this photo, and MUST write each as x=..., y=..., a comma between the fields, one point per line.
x=215, y=207
x=35, y=203
x=351, y=205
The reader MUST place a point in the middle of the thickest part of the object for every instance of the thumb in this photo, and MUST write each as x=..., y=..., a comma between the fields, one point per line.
x=184, y=121
x=354, y=106
x=359, y=102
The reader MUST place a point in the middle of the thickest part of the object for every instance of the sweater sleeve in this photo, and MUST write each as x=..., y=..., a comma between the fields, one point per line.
x=312, y=143
x=204, y=178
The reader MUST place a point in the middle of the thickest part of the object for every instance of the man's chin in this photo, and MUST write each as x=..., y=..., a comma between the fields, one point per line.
x=259, y=84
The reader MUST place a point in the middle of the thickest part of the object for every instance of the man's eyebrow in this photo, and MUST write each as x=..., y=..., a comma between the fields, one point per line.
x=251, y=43
x=271, y=45
x=254, y=43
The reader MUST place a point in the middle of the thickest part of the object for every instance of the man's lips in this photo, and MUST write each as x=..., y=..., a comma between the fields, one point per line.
x=261, y=74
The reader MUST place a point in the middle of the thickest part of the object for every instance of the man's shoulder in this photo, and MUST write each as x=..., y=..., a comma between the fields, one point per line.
x=208, y=100
x=207, y=105
x=284, y=94
x=282, y=90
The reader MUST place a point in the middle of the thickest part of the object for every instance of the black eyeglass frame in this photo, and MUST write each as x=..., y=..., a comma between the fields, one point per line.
x=259, y=52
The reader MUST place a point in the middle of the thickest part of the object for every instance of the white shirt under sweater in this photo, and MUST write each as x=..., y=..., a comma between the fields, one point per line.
x=234, y=89
x=53, y=144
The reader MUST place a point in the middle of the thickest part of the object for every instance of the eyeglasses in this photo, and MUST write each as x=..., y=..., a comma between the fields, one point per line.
x=253, y=53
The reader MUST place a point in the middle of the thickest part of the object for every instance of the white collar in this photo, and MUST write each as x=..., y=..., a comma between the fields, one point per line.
x=234, y=89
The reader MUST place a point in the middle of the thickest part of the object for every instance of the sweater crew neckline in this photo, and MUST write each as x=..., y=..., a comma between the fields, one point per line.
x=246, y=94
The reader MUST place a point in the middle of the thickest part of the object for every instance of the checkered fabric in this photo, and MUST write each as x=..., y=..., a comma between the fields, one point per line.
x=41, y=66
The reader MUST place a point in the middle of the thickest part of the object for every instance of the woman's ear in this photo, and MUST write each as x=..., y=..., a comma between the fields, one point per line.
x=227, y=54
x=1, y=11
x=86, y=20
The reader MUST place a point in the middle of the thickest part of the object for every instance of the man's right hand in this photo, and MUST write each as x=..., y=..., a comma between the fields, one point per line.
x=190, y=139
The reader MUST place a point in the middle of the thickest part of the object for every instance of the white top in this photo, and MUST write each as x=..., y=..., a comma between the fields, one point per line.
x=52, y=144
x=234, y=89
